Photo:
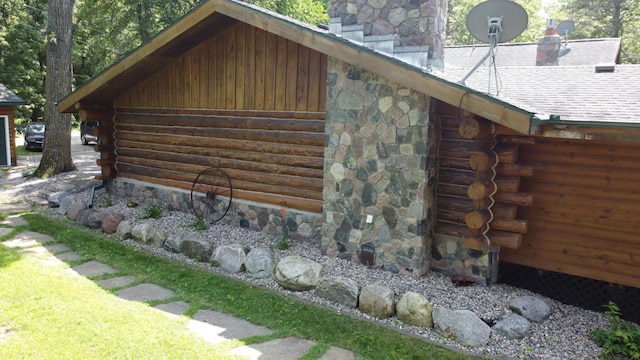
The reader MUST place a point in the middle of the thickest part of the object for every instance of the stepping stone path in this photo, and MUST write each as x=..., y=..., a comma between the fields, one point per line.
x=212, y=326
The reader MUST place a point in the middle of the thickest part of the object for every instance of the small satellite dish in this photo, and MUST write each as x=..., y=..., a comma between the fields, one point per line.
x=565, y=27
x=506, y=17
x=494, y=22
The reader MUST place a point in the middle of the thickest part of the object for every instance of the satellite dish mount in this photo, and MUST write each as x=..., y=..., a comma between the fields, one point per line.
x=494, y=22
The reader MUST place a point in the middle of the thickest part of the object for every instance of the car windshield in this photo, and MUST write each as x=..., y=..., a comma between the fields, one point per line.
x=36, y=128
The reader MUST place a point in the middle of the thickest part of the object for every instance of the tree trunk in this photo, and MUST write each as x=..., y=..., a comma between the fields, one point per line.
x=56, y=155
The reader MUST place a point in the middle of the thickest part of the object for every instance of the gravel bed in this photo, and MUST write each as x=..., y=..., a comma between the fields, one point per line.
x=564, y=335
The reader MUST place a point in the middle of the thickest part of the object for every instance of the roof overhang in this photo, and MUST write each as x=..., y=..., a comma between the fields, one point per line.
x=216, y=15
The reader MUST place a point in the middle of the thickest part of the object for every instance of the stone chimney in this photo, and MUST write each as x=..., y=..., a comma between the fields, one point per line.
x=549, y=46
x=413, y=23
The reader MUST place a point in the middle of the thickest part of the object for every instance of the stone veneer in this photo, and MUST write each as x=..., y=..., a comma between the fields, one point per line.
x=302, y=226
x=450, y=257
x=379, y=162
x=413, y=22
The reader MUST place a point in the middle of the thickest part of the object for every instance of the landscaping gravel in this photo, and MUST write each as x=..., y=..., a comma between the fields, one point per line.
x=564, y=335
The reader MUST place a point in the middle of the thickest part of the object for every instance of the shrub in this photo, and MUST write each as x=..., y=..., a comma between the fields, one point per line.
x=151, y=211
x=622, y=337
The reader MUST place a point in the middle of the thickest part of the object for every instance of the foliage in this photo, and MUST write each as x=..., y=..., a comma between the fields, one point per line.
x=151, y=210
x=199, y=224
x=22, y=54
x=308, y=11
x=603, y=19
x=457, y=33
x=622, y=338
x=105, y=31
x=283, y=242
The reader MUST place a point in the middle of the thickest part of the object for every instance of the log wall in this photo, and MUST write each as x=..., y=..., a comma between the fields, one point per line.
x=271, y=157
x=478, y=190
x=242, y=68
x=585, y=219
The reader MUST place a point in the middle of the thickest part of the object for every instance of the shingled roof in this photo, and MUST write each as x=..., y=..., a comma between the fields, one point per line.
x=576, y=53
x=7, y=97
x=572, y=93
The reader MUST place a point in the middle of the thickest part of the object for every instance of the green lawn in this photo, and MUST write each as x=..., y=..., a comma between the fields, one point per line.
x=52, y=314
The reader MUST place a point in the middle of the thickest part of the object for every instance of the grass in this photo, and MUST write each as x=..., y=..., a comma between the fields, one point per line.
x=59, y=315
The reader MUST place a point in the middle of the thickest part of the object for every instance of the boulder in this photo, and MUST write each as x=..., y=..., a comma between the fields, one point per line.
x=229, y=258
x=461, y=325
x=339, y=290
x=75, y=209
x=95, y=219
x=124, y=230
x=259, y=263
x=297, y=273
x=147, y=234
x=532, y=308
x=173, y=242
x=194, y=248
x=65, y=204
x=83, y=216
x=377, y=301
x=111, y=222
x=415, y=309
x=513, y=326
x=55, y=198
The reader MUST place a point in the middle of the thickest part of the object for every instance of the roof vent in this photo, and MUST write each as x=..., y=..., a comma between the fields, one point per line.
x=608, y=67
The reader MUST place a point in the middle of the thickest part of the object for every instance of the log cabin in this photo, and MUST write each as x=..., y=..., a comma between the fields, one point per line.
x=372, y=146
x=8, y=102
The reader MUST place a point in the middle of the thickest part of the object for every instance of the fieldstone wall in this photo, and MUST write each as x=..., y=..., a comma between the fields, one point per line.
x=450, y=257
x=301, y=225
x=413, y=22
x=379, y=164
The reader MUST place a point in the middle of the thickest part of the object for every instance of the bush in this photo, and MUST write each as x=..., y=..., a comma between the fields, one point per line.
x=151, y=211
x=622, y=338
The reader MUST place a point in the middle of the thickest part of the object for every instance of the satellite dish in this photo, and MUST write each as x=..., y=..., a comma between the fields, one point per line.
x=504, y=17
x=494, y=22
x=565, y=27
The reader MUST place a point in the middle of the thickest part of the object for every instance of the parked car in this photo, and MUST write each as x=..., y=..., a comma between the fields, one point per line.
x=34, y=136
x=86, y=132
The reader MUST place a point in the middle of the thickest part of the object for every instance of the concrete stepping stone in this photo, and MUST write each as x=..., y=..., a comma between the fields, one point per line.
x=27, y=239
x=16, y=207
x=117, y=282
x=93, y=268
x=145, y=292
x=215, y=327
x=173, y=309
x=69, y=256
x=5, y=231
x=290, y=348
x=46, y=250
x=14, y=220
x=336, y=353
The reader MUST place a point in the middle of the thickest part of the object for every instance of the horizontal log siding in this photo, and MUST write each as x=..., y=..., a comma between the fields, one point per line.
x=277, y=160
x=242, y=68
x=585, y=218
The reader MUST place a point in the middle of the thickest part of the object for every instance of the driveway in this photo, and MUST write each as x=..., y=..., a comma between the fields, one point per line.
x=84, y=157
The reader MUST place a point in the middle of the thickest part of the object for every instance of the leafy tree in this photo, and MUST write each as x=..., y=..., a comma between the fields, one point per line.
x=605, y=18
x=22, y=54
x=308, y=11
x=56, y=156
x=457, y=33
x=105, y=31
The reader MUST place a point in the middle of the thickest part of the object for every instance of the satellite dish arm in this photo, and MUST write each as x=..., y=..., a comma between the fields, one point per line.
x=476, y=66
